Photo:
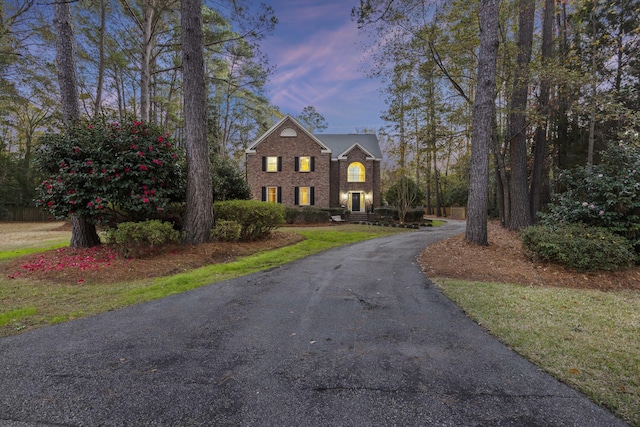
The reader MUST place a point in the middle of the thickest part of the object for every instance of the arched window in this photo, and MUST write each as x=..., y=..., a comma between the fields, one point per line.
x=355, y=172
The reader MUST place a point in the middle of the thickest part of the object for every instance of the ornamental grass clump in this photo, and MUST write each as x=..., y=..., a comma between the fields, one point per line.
x=578, y=246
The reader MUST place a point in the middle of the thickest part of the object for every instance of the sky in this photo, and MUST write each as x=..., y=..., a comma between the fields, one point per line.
x=316, y=49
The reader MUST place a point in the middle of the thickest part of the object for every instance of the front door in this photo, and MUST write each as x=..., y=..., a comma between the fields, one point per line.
x=355, y=202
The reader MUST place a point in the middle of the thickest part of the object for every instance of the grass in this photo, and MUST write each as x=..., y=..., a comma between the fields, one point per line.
x=10, y=254
x=586, y=338
x=27, y=305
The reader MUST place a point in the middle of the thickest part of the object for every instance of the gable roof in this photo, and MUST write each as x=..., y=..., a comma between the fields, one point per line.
x=252, y=147
x=342, y=144
x=339, y=145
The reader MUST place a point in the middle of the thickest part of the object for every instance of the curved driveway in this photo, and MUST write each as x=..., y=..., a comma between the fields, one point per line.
x=355, y=336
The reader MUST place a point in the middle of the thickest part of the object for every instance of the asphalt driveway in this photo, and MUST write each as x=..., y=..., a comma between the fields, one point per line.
x=355, y=336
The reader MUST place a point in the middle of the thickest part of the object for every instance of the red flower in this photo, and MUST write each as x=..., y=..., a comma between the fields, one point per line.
x=50, y=203
x=143, y=168
x=127, y=169
x=140, y=153
x=160, y=139
x=157, y=162
x=146, y=200
x=90, y=126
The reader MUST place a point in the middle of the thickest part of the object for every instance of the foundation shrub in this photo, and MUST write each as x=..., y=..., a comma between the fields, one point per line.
x=256, y=218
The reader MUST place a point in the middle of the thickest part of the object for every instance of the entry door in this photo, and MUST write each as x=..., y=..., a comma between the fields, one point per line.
x=355, y=202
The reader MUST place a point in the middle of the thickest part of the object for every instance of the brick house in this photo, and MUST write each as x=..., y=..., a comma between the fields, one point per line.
x=292, y=166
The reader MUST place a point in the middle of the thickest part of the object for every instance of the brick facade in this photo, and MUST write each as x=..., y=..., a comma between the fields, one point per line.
x=327, y=181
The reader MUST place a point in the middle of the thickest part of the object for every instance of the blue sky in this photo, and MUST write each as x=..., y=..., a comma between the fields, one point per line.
x=318, y=54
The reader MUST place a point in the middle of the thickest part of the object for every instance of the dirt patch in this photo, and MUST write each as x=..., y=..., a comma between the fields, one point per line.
x=100, y=265
x=502, y=261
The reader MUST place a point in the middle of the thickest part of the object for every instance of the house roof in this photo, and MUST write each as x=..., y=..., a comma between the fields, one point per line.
x=339, y=145
x=253, y=146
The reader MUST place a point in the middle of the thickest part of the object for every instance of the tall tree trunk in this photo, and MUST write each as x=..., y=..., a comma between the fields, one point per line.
x=83, y=233
x=483, y=108
x=502, y=179
x=66, y=63
x=198, y=218
x=594, y=87
x=101, y=61
x=540, y=141
x=148, y=43
x=520, y=212
x=436, y=184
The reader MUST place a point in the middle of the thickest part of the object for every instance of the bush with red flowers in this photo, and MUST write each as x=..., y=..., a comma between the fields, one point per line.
x=109, y=172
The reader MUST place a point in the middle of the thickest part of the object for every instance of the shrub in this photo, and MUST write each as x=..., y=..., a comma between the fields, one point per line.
x=605, y=195
x=256, y=218
x=136, y=239
x=414, y=215
x=387, y=213
x=577, y=246
x=305, y=215
x=107, y=172
x=227, y=180
x=226, y=231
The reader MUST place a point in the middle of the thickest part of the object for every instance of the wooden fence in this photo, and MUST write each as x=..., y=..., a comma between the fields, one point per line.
x=456, y=212
x=25, y=214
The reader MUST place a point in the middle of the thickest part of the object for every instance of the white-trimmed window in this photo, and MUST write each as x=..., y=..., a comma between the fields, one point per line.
x=272, y=194
x=305, y=164
x=355, y=173
x=304, y=196
x=272, y=164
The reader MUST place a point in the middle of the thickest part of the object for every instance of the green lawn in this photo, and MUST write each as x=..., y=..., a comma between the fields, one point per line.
x=588, y=339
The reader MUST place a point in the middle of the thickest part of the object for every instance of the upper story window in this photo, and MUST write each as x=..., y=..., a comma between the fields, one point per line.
x=271, y=164
x=355, y=173
x=305, y=164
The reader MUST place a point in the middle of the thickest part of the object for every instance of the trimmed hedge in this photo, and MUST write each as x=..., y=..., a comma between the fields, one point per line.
x=391, y=213
x=136, y=239
x=256, y=218
x=306, y=215
x=577, y=246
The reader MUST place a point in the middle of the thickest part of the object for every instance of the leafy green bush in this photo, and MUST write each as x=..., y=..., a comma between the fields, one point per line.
x=136, y=239
x=607, y=195
x=305, y=215
x=107, y=172
x=227, y=180
x=256, y=218
x=577, y=246
x=387, y=213
x=226, y=231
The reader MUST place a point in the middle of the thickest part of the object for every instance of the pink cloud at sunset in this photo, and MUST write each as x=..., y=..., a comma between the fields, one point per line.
x=316, y=49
